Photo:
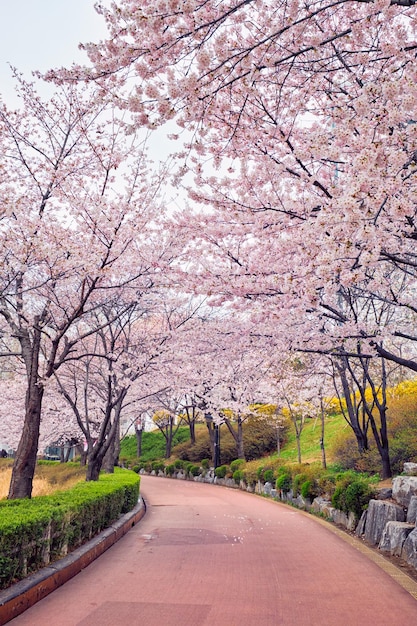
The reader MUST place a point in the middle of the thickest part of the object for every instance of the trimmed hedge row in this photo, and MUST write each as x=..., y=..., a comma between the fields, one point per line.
x=36, y=532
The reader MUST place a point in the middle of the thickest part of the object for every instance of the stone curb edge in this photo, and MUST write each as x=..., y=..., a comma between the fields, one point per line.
x=27, y=592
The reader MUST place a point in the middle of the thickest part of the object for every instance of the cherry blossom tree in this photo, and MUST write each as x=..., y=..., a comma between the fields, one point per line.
x=77, y=227
x=311, y=110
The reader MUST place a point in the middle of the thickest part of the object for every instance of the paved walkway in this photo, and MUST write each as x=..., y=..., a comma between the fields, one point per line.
x=209, y=556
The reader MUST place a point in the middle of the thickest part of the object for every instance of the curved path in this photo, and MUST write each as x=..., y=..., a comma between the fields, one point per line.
x=206, y=555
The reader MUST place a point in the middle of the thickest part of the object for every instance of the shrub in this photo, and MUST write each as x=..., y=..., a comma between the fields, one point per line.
x=221, y=471
x=194, y=470
x=238, y=476
x=357, y=497
x=249, y=476
x=284, y=482
x=309, y=489
x=179, y=464
x=236, y=464
x=352, y=494
x=170, y=469
x=297, y=481
x=205, y=464
x=158, y=466
x=268, y=476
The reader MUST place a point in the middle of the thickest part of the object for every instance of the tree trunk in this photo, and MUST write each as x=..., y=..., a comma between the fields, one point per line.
x=94, y=464
x=83, y=454
x=21, y=482
x=211, y=431
x=109, y=458
x=192, y=431
x=298, y=439
x=322, y=446
x=168, y=442
x=25, y=462
x=237, y=436
x=352, y=412
x=240, y=446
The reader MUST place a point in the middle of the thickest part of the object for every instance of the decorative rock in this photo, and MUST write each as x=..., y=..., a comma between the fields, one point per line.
x=319, y=503
x=360, y=528
x=410, y=469
x=327, y=510
x=403, y=487
x=394, y=536
x=380, y=512
x=267, y=488
x=302, y=503
x=340, y=518
x=409, y=551
x=412, y=511
x=384, y=494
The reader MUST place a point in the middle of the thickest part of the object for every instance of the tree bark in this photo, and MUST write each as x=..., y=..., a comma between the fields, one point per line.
x=21, y=482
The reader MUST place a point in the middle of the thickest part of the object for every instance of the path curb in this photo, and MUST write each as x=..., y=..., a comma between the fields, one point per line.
x=24, y=594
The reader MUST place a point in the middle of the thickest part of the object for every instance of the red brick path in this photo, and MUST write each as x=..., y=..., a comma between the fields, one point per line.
x=206, y=555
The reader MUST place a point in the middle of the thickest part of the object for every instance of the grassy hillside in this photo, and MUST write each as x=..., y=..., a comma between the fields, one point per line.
x=340, y=444
x=310, y=440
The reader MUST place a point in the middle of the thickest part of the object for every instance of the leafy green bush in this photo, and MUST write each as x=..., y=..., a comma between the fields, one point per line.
x=284, y=482
x=158, y=466
x=194, y=470
x=269, y=476
x=297, y=481
x=170, y=469
x=221, y=471
x=352, y=494
x=357, y=497
x=309, y=489
x=236, y=464
x=178, y=464
x=237, y=476
x=205, y=464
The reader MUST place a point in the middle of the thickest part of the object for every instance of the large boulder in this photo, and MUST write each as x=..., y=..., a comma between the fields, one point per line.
x=319, y=504
x=403, y=488
x=340, y=518
x=394, y=536
x=384, y=494
x=410, y=469
x=412, y=511
x=409, y=551
x=360, y=528
x=380, y=512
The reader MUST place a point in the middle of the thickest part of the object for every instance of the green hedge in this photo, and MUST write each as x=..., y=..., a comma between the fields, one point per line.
x=35, y=532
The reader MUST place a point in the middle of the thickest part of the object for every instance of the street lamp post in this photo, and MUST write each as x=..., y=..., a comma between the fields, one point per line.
x=213, y=426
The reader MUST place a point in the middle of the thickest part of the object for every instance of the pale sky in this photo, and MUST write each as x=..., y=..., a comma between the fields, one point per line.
x=41, y=34
x=44, y=34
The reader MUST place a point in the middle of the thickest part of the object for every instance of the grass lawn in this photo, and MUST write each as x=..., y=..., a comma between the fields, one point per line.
x=49, y=477
x=310, y=439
